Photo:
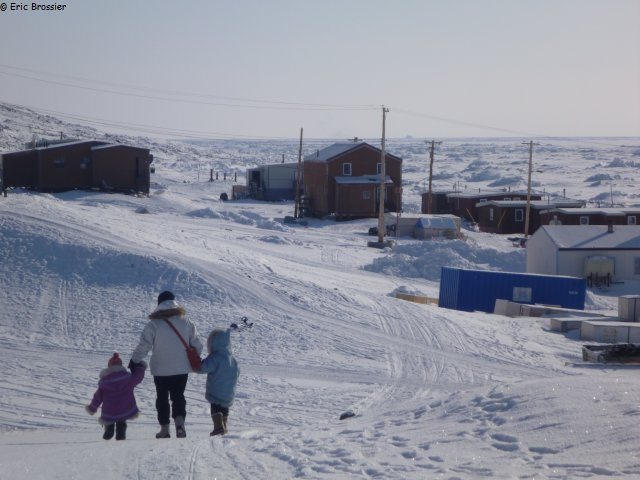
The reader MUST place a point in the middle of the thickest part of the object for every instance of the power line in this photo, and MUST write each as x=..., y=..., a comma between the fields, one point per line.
x=459, y=122
x=505, y=130
x=273, y=105
x=201, y=99
x=152, y=129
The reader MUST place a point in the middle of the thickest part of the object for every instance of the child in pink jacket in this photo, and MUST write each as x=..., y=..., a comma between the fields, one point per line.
x=115, y=394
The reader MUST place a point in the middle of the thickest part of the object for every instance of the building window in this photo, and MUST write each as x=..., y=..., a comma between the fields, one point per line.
x=58, y=162
x=346, y=169
x=366, y=195
x=84, y=162
x=482, y=200
x=378, y=168
x=522, y=294
x=519, y=215
x=631, y=220
x=491, y=214
x=584, y=220
x=506, y=199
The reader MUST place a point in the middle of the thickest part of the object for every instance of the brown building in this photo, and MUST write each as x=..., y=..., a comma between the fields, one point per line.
x=79, y=165
x=591, y=216
x=344, y=179
x=463, y=204
x=508, y=216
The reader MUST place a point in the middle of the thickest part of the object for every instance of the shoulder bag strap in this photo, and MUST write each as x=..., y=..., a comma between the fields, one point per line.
x=177, y=333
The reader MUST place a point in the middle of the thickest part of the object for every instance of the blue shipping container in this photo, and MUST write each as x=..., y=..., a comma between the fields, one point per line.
x=471, y=290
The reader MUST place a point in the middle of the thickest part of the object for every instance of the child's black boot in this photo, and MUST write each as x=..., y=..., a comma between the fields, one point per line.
x=108, y=431
x=121, y=430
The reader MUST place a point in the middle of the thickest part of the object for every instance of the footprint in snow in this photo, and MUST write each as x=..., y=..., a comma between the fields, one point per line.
x=506, y=443
x=419, y=413
x=399, y=441
x=501, y=437
x=543, y=450
x=409, y=454
x=506, y=447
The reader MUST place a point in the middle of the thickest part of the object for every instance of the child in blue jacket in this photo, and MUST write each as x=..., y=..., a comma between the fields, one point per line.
x=222, y=375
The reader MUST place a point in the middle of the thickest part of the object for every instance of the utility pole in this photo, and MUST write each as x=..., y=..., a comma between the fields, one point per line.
x=381, y=228
x=433, y=144
x=611, y=185
x=297, y=213
x=526, y=218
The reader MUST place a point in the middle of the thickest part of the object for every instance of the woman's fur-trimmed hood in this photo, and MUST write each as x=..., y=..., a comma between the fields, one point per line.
x=167, y=309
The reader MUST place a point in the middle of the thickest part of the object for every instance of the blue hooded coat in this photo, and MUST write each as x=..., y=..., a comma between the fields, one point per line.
x=221, y=368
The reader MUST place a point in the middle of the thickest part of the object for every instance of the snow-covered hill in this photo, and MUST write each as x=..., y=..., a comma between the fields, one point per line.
x=437, y=393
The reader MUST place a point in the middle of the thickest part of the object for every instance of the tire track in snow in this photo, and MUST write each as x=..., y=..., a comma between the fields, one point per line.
x=62, y=306
x=192, y=461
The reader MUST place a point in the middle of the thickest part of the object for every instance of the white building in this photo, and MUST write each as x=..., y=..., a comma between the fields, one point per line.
x=574, y=249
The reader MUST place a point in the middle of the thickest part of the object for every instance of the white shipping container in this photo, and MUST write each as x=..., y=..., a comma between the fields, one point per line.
x=564, y=324
x=634, y=333
x=629, y=308
x=610, y=332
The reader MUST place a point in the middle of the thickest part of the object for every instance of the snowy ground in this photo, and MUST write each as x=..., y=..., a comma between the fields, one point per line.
x=437, y=393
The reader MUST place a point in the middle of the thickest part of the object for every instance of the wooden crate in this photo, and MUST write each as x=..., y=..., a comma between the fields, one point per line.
x=417, y=298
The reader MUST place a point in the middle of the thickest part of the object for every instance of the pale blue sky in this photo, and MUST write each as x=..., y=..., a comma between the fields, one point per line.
x=267, y=68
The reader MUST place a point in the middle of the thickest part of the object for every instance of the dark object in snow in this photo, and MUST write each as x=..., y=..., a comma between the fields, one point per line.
x=381, y=245
x=618, y=353
x=224, y=197
x=289, y=220
x=518, y=241
x=389, y=230
x=244, y=323
x=347, y=414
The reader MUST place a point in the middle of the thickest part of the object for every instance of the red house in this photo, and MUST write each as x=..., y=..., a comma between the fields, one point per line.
x=78, y=165
x=344, y=180
x=464, y=204
x=509, y=216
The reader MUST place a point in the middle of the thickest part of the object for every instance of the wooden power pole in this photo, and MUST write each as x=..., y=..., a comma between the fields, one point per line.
x=430, y=196
x=298, y=213
x=383, y=183
x=526, y=218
